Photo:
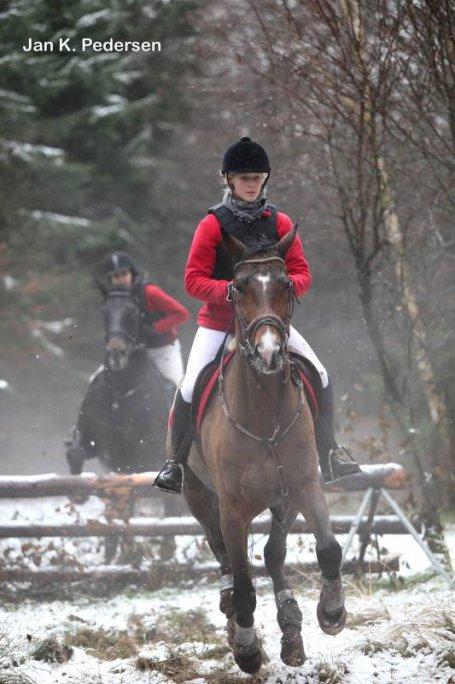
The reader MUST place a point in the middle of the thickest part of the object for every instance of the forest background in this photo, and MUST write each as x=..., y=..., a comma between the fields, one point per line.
x=355, y=102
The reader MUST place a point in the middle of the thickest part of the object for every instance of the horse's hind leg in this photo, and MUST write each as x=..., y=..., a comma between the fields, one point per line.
x=288, y=613
x=204, y=506
x=331, y=611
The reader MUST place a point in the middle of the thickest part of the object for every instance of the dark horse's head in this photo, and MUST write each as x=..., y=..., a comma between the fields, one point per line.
x=121, y=327
x=263, y=297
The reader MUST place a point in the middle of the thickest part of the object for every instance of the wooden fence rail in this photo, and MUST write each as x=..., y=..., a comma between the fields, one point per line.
x=171, y=527
x=119, y=490
x=387, y=476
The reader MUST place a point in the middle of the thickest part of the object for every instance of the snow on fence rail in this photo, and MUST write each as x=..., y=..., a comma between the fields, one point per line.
x=120, y=490
x=386, y=476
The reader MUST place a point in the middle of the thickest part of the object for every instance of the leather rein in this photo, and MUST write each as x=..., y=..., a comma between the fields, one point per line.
x=246, y=347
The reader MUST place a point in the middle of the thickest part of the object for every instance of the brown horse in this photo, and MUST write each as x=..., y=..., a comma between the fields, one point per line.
x=256, y=450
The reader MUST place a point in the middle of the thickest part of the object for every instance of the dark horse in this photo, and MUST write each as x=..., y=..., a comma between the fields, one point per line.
x=256, y=450
x=122, y=419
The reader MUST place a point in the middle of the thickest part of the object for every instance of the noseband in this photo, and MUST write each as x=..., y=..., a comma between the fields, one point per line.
x=248, y=330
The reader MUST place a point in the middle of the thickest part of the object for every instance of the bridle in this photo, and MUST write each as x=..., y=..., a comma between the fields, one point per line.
x=132, y=340
x=123, y=334
x=248, y=330
x=246, y=347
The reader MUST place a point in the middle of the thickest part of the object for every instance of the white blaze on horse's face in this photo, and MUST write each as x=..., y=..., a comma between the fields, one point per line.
x=269, y=348
x=264, y=280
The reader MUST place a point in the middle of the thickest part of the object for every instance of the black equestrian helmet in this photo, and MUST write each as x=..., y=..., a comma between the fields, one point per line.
x=245, y=156
x=118, y=261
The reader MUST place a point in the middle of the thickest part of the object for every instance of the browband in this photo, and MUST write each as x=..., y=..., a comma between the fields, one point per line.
x=266, y=260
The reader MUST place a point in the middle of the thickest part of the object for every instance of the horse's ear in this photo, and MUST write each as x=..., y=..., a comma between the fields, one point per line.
x=233, y=246
x=286, y=241
x=101, y=286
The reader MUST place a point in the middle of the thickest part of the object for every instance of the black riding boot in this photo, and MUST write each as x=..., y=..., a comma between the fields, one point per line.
x=170, y=477
x=335, y=461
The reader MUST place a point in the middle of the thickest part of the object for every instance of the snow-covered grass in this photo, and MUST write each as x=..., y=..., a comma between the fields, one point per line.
x=399, y=628
x=176, y=635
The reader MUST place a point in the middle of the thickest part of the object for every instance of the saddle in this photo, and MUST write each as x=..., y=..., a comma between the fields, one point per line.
x=302, y=372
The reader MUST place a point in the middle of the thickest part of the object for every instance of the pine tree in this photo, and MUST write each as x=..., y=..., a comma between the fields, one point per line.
x=84, y=134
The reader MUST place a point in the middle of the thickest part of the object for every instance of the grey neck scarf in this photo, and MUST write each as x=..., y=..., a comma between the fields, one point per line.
x=246, y=211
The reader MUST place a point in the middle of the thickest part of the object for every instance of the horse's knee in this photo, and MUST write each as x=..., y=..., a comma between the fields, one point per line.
x=329, y=559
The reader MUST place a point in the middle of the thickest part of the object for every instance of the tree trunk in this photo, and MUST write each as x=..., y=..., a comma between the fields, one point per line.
x=437, y=409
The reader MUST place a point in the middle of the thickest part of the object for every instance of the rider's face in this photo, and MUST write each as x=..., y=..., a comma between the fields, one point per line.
x=123, y=278
x=247, y=186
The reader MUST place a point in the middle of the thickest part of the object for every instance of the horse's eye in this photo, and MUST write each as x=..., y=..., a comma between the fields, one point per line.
x=239, y=287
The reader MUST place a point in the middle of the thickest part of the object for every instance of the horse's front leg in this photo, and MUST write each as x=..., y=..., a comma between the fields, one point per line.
x=76, y=454
x=234, y=527
x=331, y=611
x=288, y=613
x=204, y=506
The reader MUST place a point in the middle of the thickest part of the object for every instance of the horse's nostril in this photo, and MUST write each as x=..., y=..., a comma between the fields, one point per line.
x=276, y=359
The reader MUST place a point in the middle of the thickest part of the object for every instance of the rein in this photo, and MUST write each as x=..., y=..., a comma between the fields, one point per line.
x=248, y=331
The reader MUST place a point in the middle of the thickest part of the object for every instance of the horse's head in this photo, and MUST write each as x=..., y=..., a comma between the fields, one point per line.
x=121, y=327
x=263, y=297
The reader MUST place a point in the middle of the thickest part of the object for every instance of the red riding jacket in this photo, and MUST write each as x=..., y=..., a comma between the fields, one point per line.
x=217, y=311
x=173, y=314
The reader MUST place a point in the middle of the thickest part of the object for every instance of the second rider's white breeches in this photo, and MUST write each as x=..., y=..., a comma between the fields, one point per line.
x=168, y=360
x=207, y=342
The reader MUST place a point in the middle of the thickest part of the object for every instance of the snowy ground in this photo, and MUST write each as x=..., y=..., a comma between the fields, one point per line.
x=398, y=630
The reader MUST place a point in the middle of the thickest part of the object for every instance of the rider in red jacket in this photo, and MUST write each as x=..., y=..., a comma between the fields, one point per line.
x=199, y=282
x=246, y=214
x=161, y=315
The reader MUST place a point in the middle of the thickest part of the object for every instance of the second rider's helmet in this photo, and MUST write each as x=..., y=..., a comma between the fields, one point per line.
x=118, y=261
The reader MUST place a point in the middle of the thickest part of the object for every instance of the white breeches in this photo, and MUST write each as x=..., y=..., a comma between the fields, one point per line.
x=207, y=342
x=301, y=346
x=168, y=361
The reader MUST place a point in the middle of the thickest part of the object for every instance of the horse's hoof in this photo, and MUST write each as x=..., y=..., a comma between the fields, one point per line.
x=331, y=623
x=292, y=651
x=248, y=658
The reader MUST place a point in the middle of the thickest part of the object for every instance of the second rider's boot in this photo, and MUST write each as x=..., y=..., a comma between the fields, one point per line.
x=170, y=477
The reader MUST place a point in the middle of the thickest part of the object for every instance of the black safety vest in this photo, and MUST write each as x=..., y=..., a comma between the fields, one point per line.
x=256, y=236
